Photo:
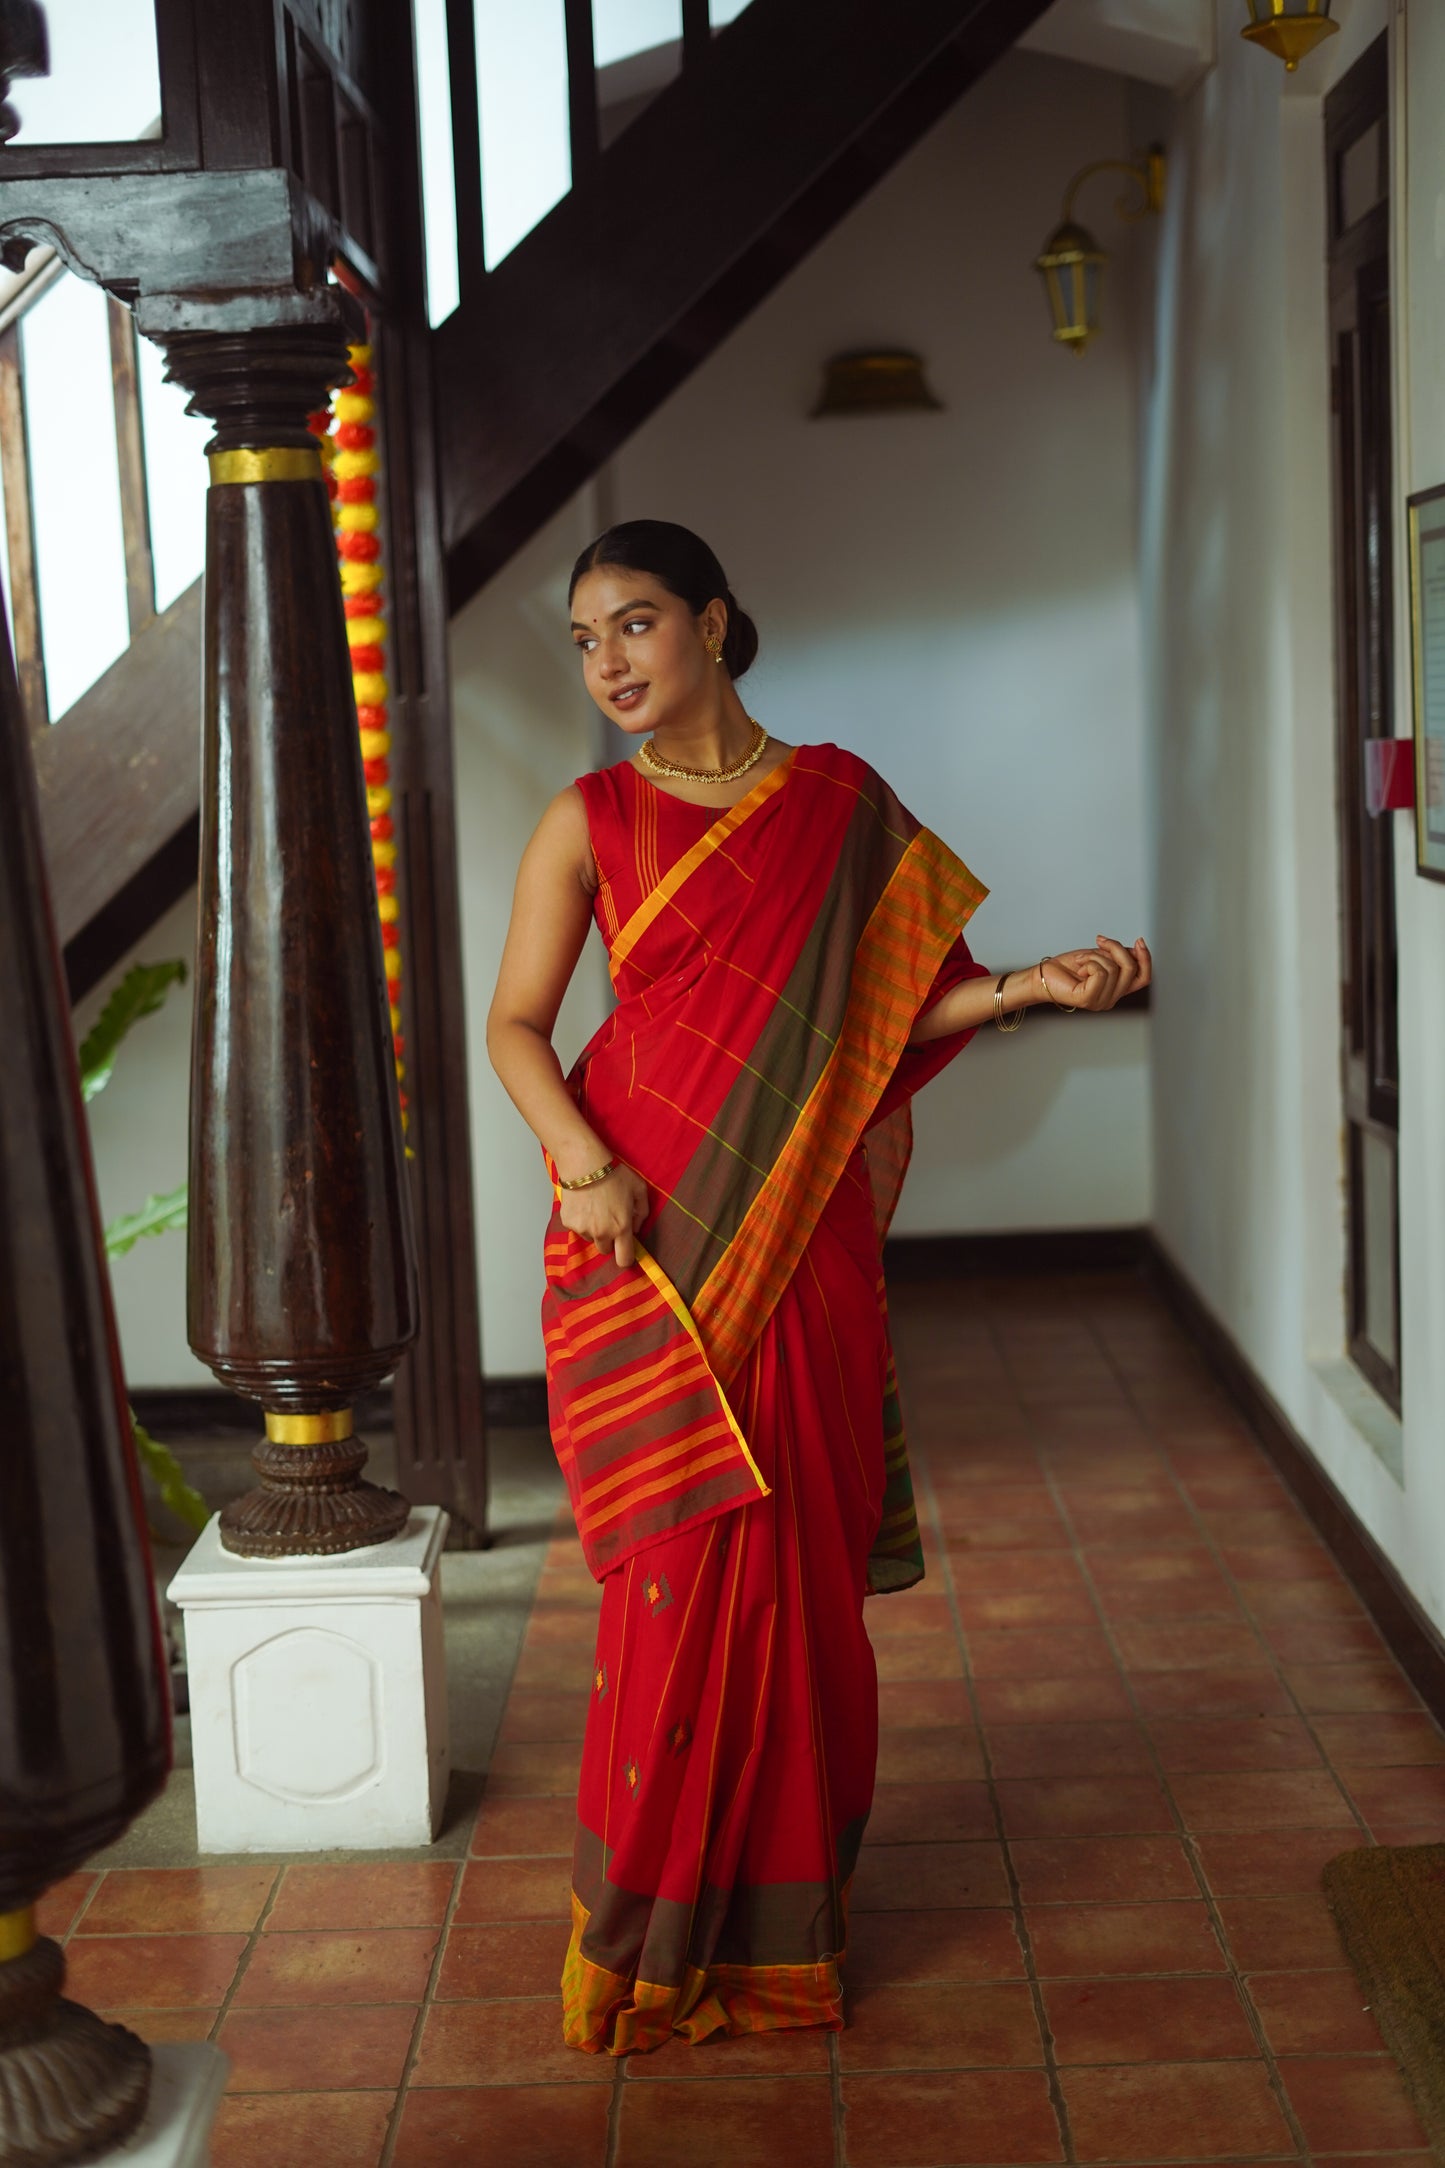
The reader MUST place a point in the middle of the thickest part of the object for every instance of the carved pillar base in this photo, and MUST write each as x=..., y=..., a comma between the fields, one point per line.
x=311, y=1501
x=71, y=2086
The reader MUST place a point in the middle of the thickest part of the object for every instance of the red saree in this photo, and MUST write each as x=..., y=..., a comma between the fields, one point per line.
x=726, y=1414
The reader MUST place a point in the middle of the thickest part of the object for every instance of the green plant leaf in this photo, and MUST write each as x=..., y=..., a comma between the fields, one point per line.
x=165, y=1472
x=157, y=1216
x=140, y=993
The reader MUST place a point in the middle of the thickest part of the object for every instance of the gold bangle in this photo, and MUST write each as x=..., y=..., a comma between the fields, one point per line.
x=1018, y=1015
x=586, y=1181
x=1062, y=1006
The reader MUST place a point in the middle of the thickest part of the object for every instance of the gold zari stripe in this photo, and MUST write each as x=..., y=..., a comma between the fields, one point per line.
x=18, y=1933
x=323, y=1429
x=276, y=463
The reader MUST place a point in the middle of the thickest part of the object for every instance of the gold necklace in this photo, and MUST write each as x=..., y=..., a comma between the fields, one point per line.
x=754, y=753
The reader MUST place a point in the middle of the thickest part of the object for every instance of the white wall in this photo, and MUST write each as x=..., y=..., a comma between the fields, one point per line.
x=138, y=1138
x=952, y=595
x=524, y=729
x=1238, y=605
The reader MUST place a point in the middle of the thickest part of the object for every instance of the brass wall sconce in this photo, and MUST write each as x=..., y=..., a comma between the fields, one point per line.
x=1289, y=28
x=877, y=382
x=1072, y=263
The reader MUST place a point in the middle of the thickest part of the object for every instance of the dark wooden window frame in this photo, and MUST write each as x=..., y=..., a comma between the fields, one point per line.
x=1362, y=450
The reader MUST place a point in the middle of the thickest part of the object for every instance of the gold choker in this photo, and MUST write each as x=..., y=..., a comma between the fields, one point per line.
x=751, y=757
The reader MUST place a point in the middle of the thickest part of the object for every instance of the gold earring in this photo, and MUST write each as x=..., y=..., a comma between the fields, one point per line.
x=714, y=646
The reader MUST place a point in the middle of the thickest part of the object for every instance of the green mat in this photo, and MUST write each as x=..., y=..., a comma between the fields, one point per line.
x=1389, y=1905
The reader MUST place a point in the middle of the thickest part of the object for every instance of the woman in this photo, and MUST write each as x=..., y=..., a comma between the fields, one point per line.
x=785, y=945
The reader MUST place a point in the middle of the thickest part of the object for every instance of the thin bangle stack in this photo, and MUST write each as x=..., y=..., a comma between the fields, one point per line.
x=1013, y=1023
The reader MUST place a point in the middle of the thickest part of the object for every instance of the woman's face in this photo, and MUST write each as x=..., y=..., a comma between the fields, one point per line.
x=644, y=660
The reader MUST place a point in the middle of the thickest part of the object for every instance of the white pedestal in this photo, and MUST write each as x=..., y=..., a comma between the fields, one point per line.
x=187, y=2080
x=318, y=1694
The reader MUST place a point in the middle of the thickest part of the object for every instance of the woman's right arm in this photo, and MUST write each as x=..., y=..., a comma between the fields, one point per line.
x=551, y=913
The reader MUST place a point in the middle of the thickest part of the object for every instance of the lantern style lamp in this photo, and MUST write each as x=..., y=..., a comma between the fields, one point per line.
x=1072, y=262
x=1289, y=29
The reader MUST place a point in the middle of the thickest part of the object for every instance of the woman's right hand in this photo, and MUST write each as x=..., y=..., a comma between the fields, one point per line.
x=609, y=1213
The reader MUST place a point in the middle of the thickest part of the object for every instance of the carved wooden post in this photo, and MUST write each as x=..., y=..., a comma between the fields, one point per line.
x=301, y=1271
x=84, y=1717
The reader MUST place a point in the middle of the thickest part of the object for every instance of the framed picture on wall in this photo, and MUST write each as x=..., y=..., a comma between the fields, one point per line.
x=1426, y=513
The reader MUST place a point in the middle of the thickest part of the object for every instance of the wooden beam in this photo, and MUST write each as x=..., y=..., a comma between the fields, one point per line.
x=696, y=33
x=582, y=88
x=140, y=584
x=799, y=111
x=20, y=532
x=119, y=776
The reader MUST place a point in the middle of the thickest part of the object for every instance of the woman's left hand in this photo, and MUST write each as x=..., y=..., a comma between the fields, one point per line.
x=1097, y=978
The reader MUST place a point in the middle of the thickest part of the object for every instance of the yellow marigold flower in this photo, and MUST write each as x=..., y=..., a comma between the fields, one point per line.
x=353, y=406
x=370, y=687
x=378, y=800
x=360, y=579
x=375, y=744
x=388, y=910
x=365, y=631
x=384, y=854
x=358, y=518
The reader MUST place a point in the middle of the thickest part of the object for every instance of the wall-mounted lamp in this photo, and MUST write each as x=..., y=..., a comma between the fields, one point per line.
x=876, y=382
x=1072, y=263
x=1289, y=28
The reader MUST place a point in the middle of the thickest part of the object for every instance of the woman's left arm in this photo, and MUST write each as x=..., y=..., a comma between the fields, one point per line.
x=1095, y=979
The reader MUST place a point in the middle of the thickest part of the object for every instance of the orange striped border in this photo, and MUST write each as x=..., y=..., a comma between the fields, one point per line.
x=917, y=918
x=686, y=866
x=685, y=1318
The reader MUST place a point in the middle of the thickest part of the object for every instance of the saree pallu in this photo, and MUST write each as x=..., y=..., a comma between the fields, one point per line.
x=726, y=1412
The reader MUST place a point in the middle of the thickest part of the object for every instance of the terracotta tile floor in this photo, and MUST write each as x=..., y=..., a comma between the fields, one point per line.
x=1130, y=1714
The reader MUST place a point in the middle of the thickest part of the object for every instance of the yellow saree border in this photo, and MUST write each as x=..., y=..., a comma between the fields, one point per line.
x=685, y=1318
x=663, y=1286
x=892, y=971
x=686, y=866
x=614, y=2013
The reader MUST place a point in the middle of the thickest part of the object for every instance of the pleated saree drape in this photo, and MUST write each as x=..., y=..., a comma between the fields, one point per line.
x=725, y=1413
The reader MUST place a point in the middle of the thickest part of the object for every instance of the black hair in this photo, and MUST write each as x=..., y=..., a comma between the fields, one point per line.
x=686, y=567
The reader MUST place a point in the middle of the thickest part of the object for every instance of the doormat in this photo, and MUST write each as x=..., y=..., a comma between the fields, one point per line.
x=1389, y=1905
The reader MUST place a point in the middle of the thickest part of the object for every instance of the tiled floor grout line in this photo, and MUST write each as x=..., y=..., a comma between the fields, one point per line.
x=1276, y=1664
x=1235, y=1973
x=1020, y=1924
x=614, y=2115
x=253, y=1943
x=835, y=2088
x=1209, y=1542
x=84, y=1906
x=428, y=1995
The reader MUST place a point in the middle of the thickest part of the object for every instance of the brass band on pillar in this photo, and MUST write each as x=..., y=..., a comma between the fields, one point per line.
x=301, y=1275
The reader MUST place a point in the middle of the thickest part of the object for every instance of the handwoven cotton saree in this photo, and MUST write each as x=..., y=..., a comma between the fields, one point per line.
x=725, y=1412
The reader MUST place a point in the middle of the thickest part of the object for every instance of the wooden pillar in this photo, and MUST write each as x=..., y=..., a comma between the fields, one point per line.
x=302, y=1280
x=84, y=1714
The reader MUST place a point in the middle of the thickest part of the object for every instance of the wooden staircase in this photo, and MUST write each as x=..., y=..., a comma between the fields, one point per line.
x=292, y=143
x=772, y=131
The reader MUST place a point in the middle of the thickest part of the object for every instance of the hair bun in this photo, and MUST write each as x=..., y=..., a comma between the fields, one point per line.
x=740, y=648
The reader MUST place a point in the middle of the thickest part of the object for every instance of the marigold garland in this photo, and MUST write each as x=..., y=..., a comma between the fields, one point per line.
x=352, y=463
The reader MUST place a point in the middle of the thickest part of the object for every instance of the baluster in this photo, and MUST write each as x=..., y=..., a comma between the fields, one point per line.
x=29, y=661
x=301, y=1277
x=696, y=33
x=466, y=146
x=582, y=88
x=140, y=584
x=84, y=1722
